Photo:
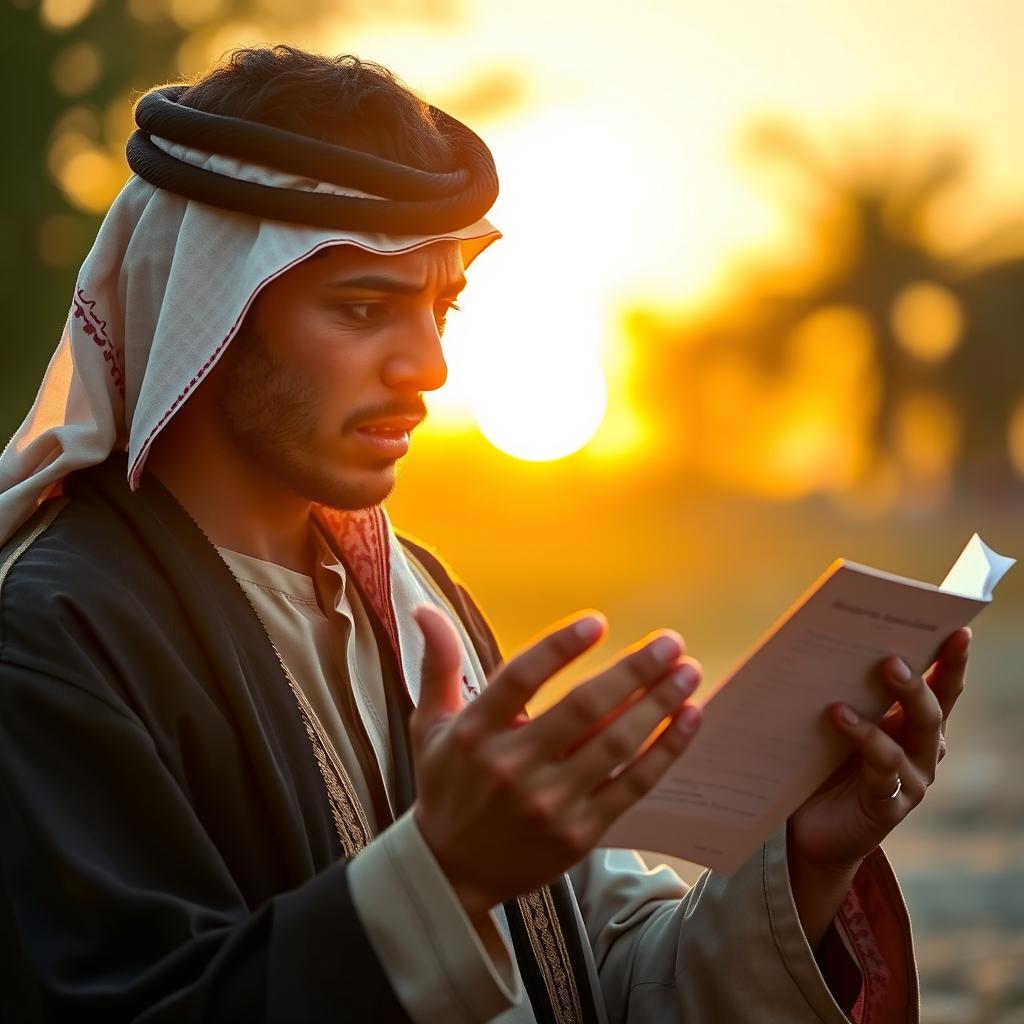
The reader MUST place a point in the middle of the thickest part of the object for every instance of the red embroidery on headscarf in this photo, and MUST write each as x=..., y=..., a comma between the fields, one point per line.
x=95, y=327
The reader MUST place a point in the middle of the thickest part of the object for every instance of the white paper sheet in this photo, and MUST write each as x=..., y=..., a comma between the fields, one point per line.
x=764, y=745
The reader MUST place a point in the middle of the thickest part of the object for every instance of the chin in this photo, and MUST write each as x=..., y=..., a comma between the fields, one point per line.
x=323, y=479
x=350, y=491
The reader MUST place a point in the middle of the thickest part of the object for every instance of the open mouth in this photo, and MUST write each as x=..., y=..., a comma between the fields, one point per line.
x=391, y=442
x=394, y=433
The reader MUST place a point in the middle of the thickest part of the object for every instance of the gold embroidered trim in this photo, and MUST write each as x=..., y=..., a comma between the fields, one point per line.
x=549, y=950
x=349, y=817
x=350, y=821
x=56, y=504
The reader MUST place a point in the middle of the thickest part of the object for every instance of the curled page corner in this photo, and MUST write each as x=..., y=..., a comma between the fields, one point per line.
x=977, y=571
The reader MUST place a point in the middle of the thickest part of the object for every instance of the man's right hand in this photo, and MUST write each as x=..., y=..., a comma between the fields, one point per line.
x=507, y=803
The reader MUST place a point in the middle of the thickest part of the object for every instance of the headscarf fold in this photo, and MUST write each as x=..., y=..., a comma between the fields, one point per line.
x=158, y=299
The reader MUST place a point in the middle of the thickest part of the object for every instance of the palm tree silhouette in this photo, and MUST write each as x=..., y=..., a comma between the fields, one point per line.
x=866, y=216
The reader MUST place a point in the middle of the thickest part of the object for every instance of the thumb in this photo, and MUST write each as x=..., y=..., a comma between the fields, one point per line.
x=441, y=672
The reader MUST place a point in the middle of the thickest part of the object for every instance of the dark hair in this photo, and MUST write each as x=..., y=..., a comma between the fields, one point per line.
x=343, y=99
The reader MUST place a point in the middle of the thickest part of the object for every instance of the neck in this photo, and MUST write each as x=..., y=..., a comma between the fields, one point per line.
x=237, y=506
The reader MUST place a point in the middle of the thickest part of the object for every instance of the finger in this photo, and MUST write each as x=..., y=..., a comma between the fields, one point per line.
x=518, y=680
x=922, y=715
x=638, y=777
x=948, y=675
x=621, y=740
x=946, y=680
x=574, y=717
x=883, y=761
x=441, y=672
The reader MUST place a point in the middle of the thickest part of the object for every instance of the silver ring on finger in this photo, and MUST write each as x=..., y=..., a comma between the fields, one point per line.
x=895, y=793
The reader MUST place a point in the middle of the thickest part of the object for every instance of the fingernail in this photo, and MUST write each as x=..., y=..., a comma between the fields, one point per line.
x=685, y=679
x=848, y=715
x=899, y=671
x=589, y=628
x=688, y=719
x=666, y=649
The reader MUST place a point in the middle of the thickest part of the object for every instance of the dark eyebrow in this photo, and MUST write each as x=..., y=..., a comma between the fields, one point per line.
x=371, y=283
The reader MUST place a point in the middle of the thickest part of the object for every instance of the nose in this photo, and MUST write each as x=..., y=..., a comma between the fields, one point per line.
x=418, y=363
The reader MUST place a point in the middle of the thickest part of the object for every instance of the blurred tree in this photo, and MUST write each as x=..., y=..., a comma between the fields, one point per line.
x=942, y=335
x=987, y=372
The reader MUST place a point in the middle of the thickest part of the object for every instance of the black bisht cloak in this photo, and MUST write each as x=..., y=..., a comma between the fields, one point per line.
x=167, y=847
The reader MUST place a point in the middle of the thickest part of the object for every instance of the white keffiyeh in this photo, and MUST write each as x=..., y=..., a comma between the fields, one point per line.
x=159, y=297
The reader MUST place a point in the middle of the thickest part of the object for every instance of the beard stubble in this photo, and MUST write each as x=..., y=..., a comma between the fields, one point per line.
x=272, y=413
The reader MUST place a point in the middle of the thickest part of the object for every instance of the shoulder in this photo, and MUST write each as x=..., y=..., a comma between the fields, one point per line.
x=68, y=548
x=50, y=557
x=473, y=617
x=73, y=584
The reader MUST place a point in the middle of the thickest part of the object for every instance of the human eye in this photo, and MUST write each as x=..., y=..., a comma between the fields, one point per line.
x=364, y=313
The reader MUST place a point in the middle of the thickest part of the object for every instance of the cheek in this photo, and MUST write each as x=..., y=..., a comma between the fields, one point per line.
x=317, y=346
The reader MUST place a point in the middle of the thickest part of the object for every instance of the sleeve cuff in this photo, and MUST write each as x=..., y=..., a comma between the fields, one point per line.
x=874, y=924
x=875, y=950
x=435, y=960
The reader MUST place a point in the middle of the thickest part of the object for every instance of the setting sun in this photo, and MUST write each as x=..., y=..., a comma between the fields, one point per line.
x=527, y=355
x=525, y=361
x=542, y=408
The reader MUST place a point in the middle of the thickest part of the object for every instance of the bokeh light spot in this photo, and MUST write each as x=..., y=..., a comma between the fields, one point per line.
x=119, y=120
x=147, y=12
x=834, y=344
x=90, y=179
x=928, y=321
x=64, y=147
x=60, y=15
x=77, y=69
x=63, y=240
x=927, y=434
x=80, y=119
x=190, y=14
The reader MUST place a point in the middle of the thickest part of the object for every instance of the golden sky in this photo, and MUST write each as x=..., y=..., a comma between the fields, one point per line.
x=620, y=135
x=636, y=108
x=621, y=163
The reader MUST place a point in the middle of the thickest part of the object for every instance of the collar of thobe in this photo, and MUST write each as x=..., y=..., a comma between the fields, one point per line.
x=392, y=584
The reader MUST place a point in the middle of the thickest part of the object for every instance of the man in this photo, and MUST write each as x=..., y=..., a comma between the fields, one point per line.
x=261, y=758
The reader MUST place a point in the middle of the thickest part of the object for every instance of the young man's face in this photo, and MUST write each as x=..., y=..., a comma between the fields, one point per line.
x=323, y=385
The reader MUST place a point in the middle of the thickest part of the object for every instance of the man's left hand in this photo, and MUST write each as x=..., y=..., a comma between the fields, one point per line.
x=854, y=809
